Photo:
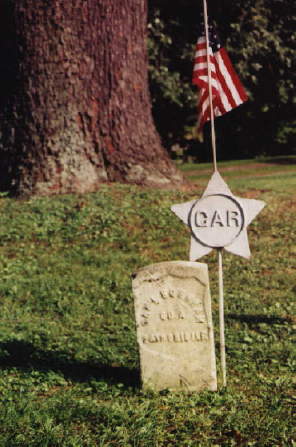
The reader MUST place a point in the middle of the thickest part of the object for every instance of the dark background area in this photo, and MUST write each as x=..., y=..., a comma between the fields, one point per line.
x=259, y=39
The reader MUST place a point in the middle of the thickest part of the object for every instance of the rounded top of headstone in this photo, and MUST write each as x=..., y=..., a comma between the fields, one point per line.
x=182, y=269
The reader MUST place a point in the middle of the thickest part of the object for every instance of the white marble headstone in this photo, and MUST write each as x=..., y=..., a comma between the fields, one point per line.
x=174, y=326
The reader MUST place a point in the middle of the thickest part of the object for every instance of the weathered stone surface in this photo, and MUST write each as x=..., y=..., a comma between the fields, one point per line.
x=174, y=326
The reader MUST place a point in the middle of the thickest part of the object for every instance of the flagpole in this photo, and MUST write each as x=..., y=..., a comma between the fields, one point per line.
x=221, y=318
x=213, y=133
x=220, y=264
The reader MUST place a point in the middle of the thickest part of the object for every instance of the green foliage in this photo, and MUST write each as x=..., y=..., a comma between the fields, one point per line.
x=68, y=352
x=258, y=35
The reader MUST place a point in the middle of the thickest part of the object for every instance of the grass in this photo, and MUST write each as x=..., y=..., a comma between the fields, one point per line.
x=70, y=367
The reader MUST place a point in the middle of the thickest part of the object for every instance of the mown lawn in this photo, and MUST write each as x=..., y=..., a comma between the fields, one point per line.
x=69, y=360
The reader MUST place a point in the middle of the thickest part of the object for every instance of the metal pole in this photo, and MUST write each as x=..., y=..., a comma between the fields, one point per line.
x=213, y=134
x=221, y=317
x=213, y=138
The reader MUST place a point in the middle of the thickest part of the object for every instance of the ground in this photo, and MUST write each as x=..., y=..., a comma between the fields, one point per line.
x=70, y=367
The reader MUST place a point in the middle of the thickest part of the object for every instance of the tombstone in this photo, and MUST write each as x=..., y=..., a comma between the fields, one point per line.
x=174, y=326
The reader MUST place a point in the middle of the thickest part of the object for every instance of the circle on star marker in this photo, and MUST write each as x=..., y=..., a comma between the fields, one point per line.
x=216, y=220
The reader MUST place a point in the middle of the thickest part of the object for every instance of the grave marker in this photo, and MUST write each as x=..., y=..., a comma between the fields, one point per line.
x=174, y=326
x=218, y=220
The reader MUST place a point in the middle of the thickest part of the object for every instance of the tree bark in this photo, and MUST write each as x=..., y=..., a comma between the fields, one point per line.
x=76, y=109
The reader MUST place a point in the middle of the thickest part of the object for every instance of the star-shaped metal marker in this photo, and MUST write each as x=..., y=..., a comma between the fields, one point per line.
x=218, y=219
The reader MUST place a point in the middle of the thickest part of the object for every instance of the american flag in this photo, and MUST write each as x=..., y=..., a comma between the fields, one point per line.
x=227, y=91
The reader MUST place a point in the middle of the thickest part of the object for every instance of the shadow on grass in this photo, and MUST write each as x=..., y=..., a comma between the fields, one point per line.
x=255, y=319
x=281, y=160
x=25, y=356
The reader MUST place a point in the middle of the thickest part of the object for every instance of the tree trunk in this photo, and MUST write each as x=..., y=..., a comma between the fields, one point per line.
x=76, y=109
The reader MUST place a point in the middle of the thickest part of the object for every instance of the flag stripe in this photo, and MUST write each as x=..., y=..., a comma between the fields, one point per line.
x=201, y=52
x=201, y=65
x=200, y=59
x=221, y=104
x=226, y=74
x=225, y=89
x=203, y=72
x=234, y=77
x=202, y=82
